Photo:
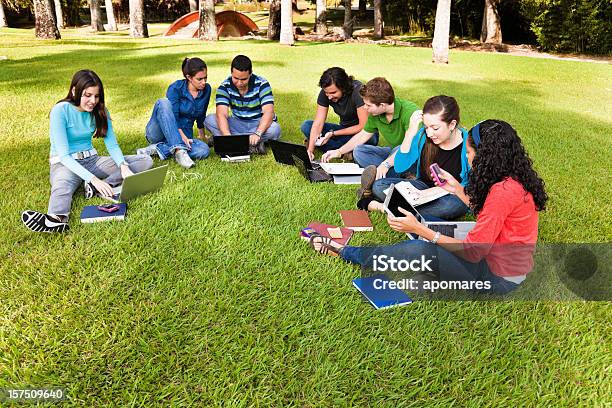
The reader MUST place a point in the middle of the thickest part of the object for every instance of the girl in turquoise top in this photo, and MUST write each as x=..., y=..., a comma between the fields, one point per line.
x=440, y=140
x=75, y=120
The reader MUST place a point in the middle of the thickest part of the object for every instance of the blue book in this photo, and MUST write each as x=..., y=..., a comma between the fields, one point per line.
x=91, y=214
x=376, y=290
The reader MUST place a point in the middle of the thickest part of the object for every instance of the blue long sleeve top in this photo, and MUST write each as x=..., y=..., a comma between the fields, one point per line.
x=404, y=160
x=72, y=131
x=186, y=108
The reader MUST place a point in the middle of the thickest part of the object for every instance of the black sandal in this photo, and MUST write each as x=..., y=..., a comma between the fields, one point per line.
x=326, y=244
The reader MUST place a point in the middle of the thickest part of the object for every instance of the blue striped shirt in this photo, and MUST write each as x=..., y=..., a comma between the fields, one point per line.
x=248, y=106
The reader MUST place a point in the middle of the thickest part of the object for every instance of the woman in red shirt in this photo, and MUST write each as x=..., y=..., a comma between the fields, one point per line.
x=504, y=192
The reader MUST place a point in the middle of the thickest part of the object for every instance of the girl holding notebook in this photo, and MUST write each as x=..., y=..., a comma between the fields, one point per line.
x=75, y=120
x=504, y=192
x=440, y=140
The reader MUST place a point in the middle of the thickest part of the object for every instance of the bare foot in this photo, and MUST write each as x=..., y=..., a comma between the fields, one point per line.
x=324, y=245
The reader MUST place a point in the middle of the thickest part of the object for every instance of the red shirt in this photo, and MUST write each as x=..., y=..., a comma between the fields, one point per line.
x=506, y=230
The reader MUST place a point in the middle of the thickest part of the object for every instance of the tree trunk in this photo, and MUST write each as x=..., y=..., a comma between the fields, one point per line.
x=321, y=17
x=347, y=27
x=286, y=32
x=274, y=21
x=110, y=15
x=491, y=24
x=59, y=15
x=2, y=16
x=208, y=24
x=193, y=5
x=45, y=23
x=138, y=22
x=362, y=6
x=96, y=15
x=441, y=32
x=378, y=20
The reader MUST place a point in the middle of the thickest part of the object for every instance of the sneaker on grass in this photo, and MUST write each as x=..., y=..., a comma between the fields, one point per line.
x=39, y=222
x=182, y=158
x=150, y=150
x=89, y=190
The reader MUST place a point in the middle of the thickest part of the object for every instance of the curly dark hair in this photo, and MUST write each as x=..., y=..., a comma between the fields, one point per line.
x=337, y=76
x=500, y=155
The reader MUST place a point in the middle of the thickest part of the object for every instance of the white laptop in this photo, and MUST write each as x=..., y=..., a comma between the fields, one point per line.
x=139, y=184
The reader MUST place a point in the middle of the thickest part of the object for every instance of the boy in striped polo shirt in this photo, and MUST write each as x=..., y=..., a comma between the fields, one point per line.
x=250, y=99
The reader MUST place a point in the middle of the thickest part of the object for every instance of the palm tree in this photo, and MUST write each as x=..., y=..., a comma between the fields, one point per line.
x=59, y=15
x=274, y=20
x=321, y=17
x=45, y=23
x=138, y=23
x=348, y=21
x=378, y=21
x=208, y=24
x=110, y=15
x=441, y=32
x=2, y=16
x=491, y=26
x=286, y=32
x=193, y=5
x=96, y=15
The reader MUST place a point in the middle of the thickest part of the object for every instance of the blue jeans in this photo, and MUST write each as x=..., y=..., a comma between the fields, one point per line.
x=162, y=131
x=448, y=207
x=335, y=142
x=242, y=127
x=445, y=265
x=366, y=155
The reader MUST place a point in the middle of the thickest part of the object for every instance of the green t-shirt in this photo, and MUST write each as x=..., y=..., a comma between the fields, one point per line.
x=393, y=131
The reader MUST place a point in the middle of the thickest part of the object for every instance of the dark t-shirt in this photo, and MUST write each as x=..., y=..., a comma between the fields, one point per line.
x=449, y=160
x=346, y=107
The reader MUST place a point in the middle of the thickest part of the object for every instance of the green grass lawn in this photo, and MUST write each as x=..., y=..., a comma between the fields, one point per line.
x=206, y=296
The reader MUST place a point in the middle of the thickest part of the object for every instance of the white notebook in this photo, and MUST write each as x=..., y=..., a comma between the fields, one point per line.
x=347, y=169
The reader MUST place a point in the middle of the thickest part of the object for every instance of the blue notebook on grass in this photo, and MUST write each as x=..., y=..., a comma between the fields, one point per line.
x=376, y=290
x=91, y=214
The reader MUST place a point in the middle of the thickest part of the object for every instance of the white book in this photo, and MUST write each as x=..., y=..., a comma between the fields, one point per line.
x=356, y=179
x=341, y=168
x=418, y=197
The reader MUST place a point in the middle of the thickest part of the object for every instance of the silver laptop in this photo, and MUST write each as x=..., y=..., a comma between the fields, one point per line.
x=453, y=229
x=140, y=184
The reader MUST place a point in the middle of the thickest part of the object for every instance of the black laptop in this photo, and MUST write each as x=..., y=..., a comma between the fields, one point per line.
x=231, y=145
x=306, y=170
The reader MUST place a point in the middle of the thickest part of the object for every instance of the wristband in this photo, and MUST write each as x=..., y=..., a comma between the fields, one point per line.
x=258, y=133
x=333, y=133
x=386, y=164
x=436, y=238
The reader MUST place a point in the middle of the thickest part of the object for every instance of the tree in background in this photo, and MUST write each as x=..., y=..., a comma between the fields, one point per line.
x=96, y=15
x=321, y=17
x=193, y=5
x=208, y=23
x=110, y=15
x=491, y=23
x=441, y=32
x=2, y=16
x=347, y=27
x=138, y=22
x=378, y=20
x=46, y=28
x=59, y=15
x=274, y=20
x=286, y=31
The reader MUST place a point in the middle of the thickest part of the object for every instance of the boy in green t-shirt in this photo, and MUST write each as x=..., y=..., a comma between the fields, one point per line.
x=389, y=116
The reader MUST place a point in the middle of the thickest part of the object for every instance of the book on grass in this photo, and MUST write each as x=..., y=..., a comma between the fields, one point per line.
x=346, y=169
x=357, y=220
x=329, y=231
x=378, y=292
x=418, y=197
x=91, y=214
x=340, y=179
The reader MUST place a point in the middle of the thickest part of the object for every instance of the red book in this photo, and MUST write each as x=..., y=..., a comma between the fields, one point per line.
x=323, y=230
x=357, y=220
